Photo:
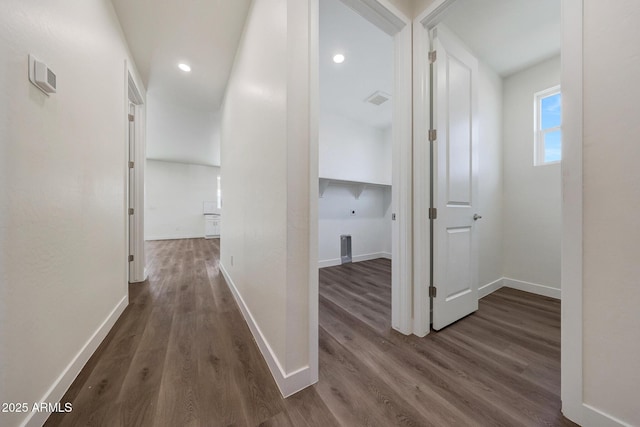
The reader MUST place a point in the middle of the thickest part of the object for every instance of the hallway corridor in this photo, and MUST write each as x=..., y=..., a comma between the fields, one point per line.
x=182, y=355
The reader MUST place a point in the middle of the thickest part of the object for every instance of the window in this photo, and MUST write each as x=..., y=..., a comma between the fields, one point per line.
x=548, y=127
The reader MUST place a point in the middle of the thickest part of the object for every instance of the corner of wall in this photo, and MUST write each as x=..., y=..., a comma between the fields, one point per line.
x=288, y=383
x=489, y=288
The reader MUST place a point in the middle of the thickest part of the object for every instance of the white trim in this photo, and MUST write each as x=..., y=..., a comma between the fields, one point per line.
x=402, y=188
x=329, y=263
x=288, y=383
x=521, y=285
x=421, y=183
x=174, y=237
x=356, y=258
x=490, y=288
x=380, y=13
x=132, y=89
x=314, y=117
x=595, y=417
x=135, y=270
x=571, y=267
x=533, y=288
x=433, y=14
x=69, y=374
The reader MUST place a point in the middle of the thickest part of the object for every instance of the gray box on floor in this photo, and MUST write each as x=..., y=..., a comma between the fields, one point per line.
x=345, y=248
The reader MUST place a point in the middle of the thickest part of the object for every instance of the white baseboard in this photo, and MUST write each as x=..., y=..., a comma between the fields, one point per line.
x=66, y=378
x=355, y=258
x=199, y=236
x=533, y=288
x=485, y=290
x=596, y=418
x=329, y=263
x=288, y=383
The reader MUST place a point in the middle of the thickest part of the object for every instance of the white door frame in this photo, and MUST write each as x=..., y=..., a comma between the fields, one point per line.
x=136, y=269
x=392, y=21
x=573, y=406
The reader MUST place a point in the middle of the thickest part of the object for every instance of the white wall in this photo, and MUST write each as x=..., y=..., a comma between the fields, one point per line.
x=62, y=206
x=352, y=151
x=181, y=134
x=370, y=228
x=532, y=201
x=611, y=226
x=268, y=234
x=490, y=183
x=174, y=194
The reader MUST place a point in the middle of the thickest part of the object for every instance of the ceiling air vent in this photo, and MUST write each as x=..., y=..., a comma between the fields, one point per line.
x=378, y=98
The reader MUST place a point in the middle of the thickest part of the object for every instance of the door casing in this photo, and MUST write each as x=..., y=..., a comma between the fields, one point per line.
x=134, y=230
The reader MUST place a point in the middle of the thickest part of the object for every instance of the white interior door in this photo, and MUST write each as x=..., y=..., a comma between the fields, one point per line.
x=455, y=176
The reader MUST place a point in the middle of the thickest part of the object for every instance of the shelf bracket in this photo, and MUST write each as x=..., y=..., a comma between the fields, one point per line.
x=358, y=190
x=324, y=183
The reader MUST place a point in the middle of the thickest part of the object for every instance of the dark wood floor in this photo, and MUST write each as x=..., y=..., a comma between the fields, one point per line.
x=181, y=355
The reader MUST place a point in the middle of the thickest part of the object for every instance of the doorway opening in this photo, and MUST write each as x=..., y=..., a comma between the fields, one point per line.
x=364, y=206
x=135, y=182
x=355, y=164
x=496, y=153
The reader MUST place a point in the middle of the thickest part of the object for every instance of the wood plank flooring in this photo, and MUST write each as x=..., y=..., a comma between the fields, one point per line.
x=182, y=355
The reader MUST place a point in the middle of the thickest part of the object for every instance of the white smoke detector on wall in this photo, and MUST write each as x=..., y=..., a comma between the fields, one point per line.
x=41, y=76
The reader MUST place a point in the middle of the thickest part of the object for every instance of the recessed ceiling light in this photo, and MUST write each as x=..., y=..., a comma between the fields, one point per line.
x=184, y=67
x=338, y=59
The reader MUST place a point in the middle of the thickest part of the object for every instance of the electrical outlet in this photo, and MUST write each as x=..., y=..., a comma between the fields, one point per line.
x=352, y=212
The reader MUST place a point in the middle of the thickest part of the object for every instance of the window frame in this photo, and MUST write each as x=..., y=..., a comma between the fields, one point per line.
x=538, y=132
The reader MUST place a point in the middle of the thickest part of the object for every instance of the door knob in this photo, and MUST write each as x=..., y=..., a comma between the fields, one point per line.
x=476, y=217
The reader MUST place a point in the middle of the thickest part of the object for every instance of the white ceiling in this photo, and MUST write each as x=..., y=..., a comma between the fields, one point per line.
x=508, y=35
x=368, y=66
x=202, y=33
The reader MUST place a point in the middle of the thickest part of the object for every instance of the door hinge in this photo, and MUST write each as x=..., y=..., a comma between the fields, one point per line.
x=433, y=292
x=130, y=165
x=433, y=135
x=433, y=213
x=131, y=117
x=131, y=211
x=433, y=55
x=130, y=258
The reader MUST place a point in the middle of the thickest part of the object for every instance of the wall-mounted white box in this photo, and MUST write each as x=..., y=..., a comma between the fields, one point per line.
x=41, y=76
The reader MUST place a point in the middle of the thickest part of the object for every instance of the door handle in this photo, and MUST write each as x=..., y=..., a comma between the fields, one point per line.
x=476, y=217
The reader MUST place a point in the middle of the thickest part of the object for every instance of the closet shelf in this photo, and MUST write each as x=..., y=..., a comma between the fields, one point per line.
x=357, y=186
